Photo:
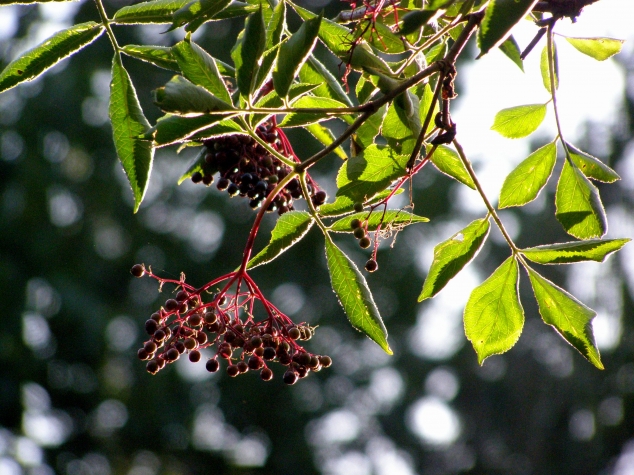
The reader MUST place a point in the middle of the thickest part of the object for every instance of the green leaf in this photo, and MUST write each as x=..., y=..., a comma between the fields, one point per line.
x=499, y=19
x=448, y=162
x=247, y=65
x=326, y=137
x=157, y=11
x=371, y=171
x=384, y=39
x=29, y=2
x=316, y=73
x=197, y=165
x=545, y=69
x=568, y=252
x=591, y=166
x=289, y=229
x=276, y=25
x=392, y=219
x=293, y=53
x=62, y=44
x=234, y=9
x=179, y=96
x=128, y=123
x=519, y=121
x=172, y=129
x=344, y=205
x=400, y=123
x=160, y=56
x=567, y=315
x=597, y=48
x=365, y=88
x=368, y=131
x=452, y=255
x=524, y=183
x=579, y=207
x=224, y=127
x=266, y=65
x=413, y=21
x=297, y=119
x=354, y=295
x=200, y=68
x=493, y=316
x=197, y=12
x=512, y=51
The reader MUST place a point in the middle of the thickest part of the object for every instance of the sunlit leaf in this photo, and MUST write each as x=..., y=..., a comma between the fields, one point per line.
x=520, y=121
x=452, y=255
x=499, y=19
x=180, y=96
x=512, y=51
x=128, y=123
x=524, y=183
x=493, y=316
x=366, y=134
x=326, y=137
x=578, y=251
x=354, y=295
x=597, y=48
x=344, y=205
x=160, y=56
x=249, y=51
x=448, y=162
x=62, y=44
x=157, y=11
x=276, y=25
x=579, y=207
x=297, y=119
x=289, y=229
x=545, y=68
x=393, y=218
x=567, y=315
x=591, y=166
x=316, y=73
x=197, y=12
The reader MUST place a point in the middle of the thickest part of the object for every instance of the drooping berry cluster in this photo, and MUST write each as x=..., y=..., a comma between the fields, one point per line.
x=359, y=230
x=246, y=168
x=186, y=325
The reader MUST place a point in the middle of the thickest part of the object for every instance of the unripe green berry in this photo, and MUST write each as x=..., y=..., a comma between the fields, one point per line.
x=358, y=207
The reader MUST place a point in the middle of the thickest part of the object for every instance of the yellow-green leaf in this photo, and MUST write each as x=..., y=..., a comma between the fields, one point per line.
x=391, y=219
x=578, y=251
x=597, y=48
x=520, y=121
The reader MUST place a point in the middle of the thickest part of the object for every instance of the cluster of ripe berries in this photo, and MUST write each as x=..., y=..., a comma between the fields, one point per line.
x=359, y=230
x=247, y=168
x=186, y=325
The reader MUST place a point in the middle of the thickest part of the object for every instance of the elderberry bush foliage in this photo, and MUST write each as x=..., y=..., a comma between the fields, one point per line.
x=396, y=122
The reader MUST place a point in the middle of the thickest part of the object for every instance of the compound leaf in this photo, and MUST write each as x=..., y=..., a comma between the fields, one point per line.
x=493, y=316
x=288, y=230
x=567, y=315
x=128, y=124
x=499, y=19
x=393, y=218
x=276, y=26
x=160, y=56
x=591, y=166
x=447, y=161
x=520, y=121
x=452, y=255
x=354, y=295
x=62, y=44
x=597, y=48
x=365, y=135
x=157, y=11
x=579, y=207
x=568, y=252
x=524, y=183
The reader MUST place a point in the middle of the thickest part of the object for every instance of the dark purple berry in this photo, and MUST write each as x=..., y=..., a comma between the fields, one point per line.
x=371, y=265
x=172, y=305
x=173, y=354
x=142, y=354
x=197, y=177
x=212, y=365
x=325, y=361
x=358, y=207
x=269, y=354
x=359, y=233
x=365, y=242
x=159, y=335
x=222, y=184
x=233, y=371
x=294, y=333
x=137, y=270
x=152, y=367
x=290, y=377
x=194, y=356
x=150, y=347
x=151, y=326
x=242, y=367
x=355, y=223
x=181, y=296
x=266, y=374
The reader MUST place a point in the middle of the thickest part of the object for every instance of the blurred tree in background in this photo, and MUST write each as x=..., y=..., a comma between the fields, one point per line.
x=75, y=400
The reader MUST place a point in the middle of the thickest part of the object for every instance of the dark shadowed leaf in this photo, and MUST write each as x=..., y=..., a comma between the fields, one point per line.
x=288, y=230
x=597, y=48
x=512, y=51
x=157, y=11
x=448, y=162
x=452, y=255
x=568, y=252
x=524, y=183
x=276, y=26
x=354, y=295
x=197, y=12
x=493, y=316
x=160, y=56
x=248, y=52
x=412, y=21
x=591, y=166
x=128, y=123
x=579, y=207
x=520, y=121
x=179, y=96
x=172, y=129
x=567, y=315
x=499, y=19
x=392, y=219
x=62, y=44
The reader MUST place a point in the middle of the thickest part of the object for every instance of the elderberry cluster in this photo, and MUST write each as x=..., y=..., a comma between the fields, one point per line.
x=185, y=325
x=247, y=168
x=360, y=232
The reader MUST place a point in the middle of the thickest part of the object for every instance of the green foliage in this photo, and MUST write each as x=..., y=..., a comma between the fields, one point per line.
x=512, y=51
x=568, y=252
x=499, y=19
x=156, y=11
x=545, y=69
x=597, y=48
x=159, y=56
x=449, y=163
x=520, y=121
x=391, y=219
x=179, y=96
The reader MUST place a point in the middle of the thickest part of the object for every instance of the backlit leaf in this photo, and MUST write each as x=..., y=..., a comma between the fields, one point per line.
x=512, y=51
x=520, y=121
x=412, y=21
x=493, y=316
x=578, y=251
x=365, y=135
x=326, y=137
x=316, y=73
x=157, y=11
x=448, y=162
x=172, y=129
x=250, y=51
x=180, y=96
x=545, y=69
x=597, y=48
x=567, y=315
x=452, y=255
x=591, y=166
x=393, y=218
x=197, y=12
x=579, y=207
x=276, y=25
x=499, y=19
x=297, y=119
x=524, y=183
x=344, y=205
x=355, y=297
x=160, y=56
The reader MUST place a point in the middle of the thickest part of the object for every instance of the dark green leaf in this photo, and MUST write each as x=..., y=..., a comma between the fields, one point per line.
x=436, y=53
x=412, y=21
x=354, y=295
x=157, y=11
x=579, y=207
x=172, y=129
x=597, y=48
x=370, y=172
x=567, y=315
x=235, y=9
x=520, y=121
x=493, y=316
x=288, y=230
x=524, y=183
x=568, y=252
x=266, y=65
x=197, y=12
x=344, y=205
x=160, y=56
x=224, y=127
x=179, y=96
x=545, y=69
x=276, y=25
x=293, y=54
x=128, y=123
x=326, y=137
x=29, y=2
x=383, y=39
x=62, y=44
x=198, y=165
x=499, y=19
x=512, y=51
x=591, y=166
x=316, y=73
x=392, y=219
x=249, y=51
x=452, y=255
x=449, y=163
x=365, y=88
x=200, y=68
x=297, y=119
